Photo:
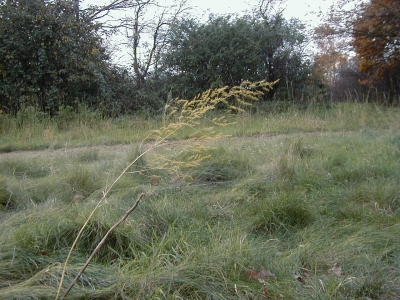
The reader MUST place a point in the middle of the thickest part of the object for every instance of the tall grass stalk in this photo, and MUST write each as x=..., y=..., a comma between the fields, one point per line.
x=190, y=114
x=105, y=195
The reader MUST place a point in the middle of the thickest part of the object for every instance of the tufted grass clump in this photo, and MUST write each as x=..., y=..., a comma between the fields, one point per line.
x=222, y=166
x=23, y=168
x=83, y=180
x=283, y=216
x=89, y=156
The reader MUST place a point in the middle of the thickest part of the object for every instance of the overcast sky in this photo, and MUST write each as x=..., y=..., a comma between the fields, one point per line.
x=301, y=9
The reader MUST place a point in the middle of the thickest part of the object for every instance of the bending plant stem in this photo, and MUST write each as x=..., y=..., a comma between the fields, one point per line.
x=101, y=244
x=105, y=194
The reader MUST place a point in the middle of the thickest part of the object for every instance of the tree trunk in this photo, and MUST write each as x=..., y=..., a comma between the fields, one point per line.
x=76, y=8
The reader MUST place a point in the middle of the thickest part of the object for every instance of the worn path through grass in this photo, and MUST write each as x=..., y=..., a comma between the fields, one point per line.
x=123, y=148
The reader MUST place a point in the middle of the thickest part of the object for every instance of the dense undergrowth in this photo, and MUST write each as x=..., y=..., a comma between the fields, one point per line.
x=310, y=195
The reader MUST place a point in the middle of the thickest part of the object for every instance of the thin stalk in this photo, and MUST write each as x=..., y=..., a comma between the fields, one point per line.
x=101, y=244
x=105, y=194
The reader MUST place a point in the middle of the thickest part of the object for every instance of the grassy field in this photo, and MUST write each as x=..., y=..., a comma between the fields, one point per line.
x=286, y=204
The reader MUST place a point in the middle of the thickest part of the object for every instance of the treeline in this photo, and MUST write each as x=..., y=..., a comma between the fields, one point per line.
x=53, y=54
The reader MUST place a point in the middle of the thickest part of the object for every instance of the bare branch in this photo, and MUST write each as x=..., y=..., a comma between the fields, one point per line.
x=97, y=12
x=101, y=244
x=156, y=31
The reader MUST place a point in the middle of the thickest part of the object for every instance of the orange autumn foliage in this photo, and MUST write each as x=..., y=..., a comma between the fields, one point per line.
x=376, y=33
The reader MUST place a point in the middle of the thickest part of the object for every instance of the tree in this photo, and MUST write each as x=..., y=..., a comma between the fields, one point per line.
x=48, y=57
x=148, y=37
x=376, y=33
x=332, y=54
x=347, y=84
x=227, y=50
x=145, y=27
x=369, y=31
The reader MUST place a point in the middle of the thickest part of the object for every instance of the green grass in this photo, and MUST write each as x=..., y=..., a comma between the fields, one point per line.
x=291, y=192
x=32, y=130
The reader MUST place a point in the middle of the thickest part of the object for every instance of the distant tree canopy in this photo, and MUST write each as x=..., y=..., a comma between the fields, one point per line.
x=376, y=34
x=49, y=56
x=226, y=51
x=371, y=31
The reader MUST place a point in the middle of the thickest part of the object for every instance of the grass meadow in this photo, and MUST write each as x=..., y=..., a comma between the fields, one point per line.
x=294, y=203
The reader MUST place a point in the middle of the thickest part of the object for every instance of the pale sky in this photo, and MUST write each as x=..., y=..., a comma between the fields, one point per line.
x=301, y=9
